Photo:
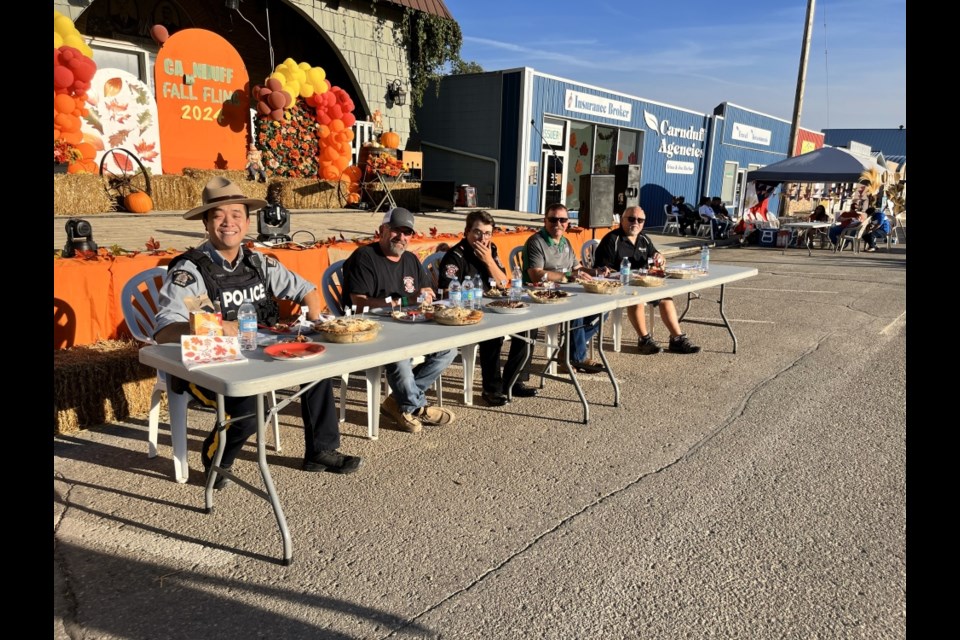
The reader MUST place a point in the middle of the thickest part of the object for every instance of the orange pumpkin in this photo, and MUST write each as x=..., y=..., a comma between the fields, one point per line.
x=138, y=202
x=353, y=198
x=390, y=139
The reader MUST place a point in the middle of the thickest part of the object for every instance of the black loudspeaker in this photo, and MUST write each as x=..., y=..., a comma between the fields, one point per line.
x=596, y=200
x=437, y=194
x=626, y=187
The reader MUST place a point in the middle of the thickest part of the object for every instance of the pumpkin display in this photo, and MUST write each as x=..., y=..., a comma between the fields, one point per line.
x=138, y=202
x=390, y=139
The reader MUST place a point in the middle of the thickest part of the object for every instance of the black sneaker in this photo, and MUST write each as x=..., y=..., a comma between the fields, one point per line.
x=333, y=461
x=682, y=344
x=494, y=398
x=648, y=346
x=521, y=390
x=222, y=481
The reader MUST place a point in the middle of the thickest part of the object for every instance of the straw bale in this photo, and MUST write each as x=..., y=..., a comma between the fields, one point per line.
x=250, y=188
x=99, y=383
x=307, y=193
x=80, y=194
x=175, y=193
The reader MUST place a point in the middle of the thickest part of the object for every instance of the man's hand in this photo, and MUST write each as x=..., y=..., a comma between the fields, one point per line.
x=428, y=295
x=659, y=260
x=483, y=252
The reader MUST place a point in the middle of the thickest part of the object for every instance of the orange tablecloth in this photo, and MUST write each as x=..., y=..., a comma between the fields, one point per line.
x=86, y=293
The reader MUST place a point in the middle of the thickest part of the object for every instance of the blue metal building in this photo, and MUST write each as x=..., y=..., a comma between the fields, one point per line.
x=523, y=139
x=891, y=142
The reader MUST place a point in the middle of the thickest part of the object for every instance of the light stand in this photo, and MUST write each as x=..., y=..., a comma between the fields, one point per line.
x=234, y=5
x=273, y=224
x=79, y=237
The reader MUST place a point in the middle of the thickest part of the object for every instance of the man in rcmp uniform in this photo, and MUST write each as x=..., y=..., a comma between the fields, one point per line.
x=385, y=269
x=229, y=273
x=476, y=257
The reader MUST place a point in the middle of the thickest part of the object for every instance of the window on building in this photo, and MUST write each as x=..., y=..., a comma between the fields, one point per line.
x=729, y=187
x=579, y=156
x=605, y=156
x=114, y=54
x=628, y=147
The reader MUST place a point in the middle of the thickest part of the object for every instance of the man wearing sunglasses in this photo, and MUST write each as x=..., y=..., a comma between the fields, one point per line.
x=630, y=242
x=385, y=269
x=549, y=256
x=476, y=257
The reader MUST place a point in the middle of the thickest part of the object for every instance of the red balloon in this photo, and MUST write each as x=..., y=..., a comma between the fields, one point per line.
x=274, y=85
x=277, y=114
x=159, y=33
x=288, y=98
x=348, y=120
x=62, y=77
x=263, y=109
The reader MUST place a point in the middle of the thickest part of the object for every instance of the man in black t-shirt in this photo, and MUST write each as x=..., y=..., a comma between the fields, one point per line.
x=476, y=257
x=385, y=269
x=629, y=242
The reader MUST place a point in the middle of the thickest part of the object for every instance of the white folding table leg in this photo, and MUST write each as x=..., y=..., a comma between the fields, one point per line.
x=373, y=402
x=553, y=338
x=276, y=423
x=153, y=422
x=344, y=382
x=617, y=331
x=178, y=434
x=469, y=355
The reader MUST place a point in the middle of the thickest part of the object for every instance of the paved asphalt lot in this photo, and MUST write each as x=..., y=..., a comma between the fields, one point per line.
x=756, y=495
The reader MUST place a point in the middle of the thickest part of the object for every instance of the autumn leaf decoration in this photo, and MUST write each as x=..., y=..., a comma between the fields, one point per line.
x=112, y=87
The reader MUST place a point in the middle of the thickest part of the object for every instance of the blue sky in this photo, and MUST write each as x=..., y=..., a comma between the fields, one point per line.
x=697, y=54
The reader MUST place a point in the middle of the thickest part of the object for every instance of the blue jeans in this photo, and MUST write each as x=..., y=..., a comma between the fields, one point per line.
x=408, y=383
x=581, y=332
x=874, y=237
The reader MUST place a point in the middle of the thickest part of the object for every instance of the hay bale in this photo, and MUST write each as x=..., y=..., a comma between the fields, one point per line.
x=81, y=194
x=99, y=383
x=250, y=188
x=175, y=193
x=307, y=193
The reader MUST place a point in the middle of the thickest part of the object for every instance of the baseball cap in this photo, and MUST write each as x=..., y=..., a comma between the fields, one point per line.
x=399, y=217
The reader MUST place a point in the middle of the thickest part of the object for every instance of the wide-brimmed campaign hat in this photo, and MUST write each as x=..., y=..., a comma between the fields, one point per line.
x=220, y=191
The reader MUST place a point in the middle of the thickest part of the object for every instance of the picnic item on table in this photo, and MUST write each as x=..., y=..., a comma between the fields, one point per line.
x=205, y=319
x=457, y=316
x=549, y=296
x=683, y=272
x=646, y=280
x=349, y=329
x=411, y=314
x=496, y=292
x=602, y=286
x=508, y=306
x=294, y=350
x=198, y=351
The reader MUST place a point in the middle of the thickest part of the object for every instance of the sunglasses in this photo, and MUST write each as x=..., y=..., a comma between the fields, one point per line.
x=632, y=219
x=402, y=231
x=559, y=220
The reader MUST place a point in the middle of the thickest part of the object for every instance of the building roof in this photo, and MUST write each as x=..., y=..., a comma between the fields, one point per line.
x=433, y=7
x=892, y=142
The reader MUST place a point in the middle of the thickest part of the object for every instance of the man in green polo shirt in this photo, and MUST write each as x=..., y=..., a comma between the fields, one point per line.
x=548, y=254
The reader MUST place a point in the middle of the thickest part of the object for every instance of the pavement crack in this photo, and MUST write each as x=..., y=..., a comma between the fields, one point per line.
x=70, y=605
x=735, y=413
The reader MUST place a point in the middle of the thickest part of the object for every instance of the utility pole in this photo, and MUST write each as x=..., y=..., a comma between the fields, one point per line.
x=798, y=99
x=801, y=80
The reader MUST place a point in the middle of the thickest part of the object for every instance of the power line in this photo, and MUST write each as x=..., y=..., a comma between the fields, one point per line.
x=826, y=64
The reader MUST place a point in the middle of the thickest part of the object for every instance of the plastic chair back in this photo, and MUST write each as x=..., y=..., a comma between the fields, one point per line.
x=432, y=264
x=138, y=300
x=331, y=286
x=587, y=250
x=516, y=261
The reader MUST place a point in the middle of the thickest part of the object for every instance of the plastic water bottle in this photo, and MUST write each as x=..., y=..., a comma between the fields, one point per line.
x=247, y=318
x=453, y=290
x=467, y=292
x=625, y=271
x=705, y=258
x=516, y=287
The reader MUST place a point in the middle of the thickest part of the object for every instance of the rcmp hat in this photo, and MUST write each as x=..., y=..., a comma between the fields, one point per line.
x=220, y=191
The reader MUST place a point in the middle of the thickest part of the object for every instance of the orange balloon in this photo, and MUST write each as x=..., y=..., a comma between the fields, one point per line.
x=87, y=152
x=73, y=137
x=336, y=125
x=64, y=103
x=341, y=162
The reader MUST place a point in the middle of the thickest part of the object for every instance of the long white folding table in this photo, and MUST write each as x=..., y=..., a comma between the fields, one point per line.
x=803, y=231
x=398, y=341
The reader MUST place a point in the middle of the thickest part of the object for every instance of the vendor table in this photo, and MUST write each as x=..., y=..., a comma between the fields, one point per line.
x=397, y=341
x=803, y=230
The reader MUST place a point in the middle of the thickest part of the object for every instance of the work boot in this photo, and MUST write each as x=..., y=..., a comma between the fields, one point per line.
x=434, y=415
x=405, y=421
x=682, y=344
x=647, y=346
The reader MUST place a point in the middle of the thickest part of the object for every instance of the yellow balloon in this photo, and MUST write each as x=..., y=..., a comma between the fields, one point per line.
x=57, y=40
